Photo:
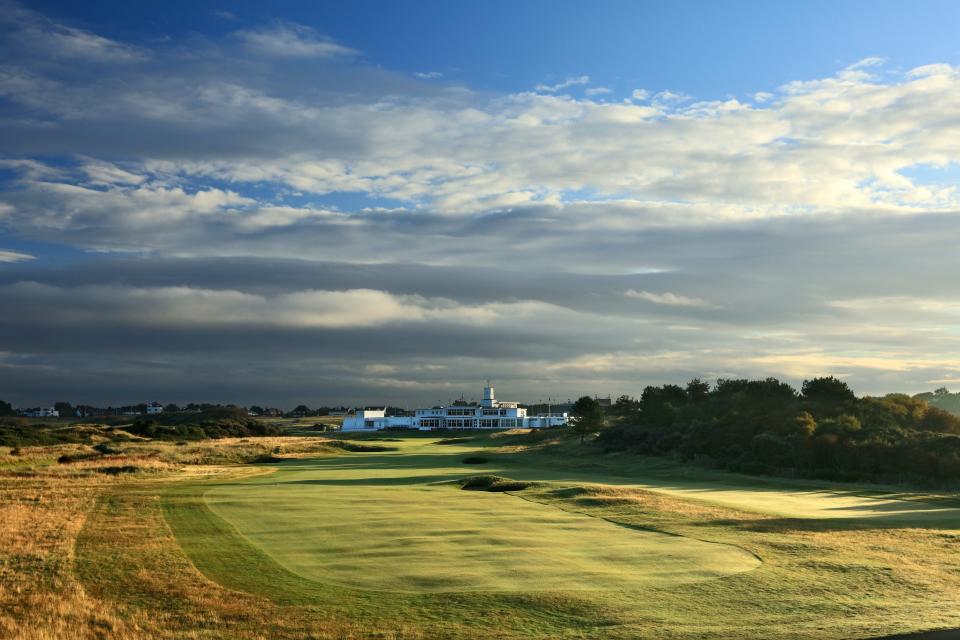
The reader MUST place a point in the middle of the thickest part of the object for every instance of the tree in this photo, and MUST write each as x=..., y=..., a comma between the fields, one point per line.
x=6, y=409
x=256, y=410
x=940, y=421
x=843, y=426
x=698, y=390
x=587, y=417
x=827, y=392
x=64, y=409
x=300, y=411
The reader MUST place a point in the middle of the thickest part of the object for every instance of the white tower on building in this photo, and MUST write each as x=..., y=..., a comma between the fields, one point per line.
x=488, y=398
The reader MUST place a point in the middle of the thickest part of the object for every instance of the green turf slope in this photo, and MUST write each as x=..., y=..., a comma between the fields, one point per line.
x=391, y=523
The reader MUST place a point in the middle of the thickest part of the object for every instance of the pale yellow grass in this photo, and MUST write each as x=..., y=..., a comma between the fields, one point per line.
x=44, y=507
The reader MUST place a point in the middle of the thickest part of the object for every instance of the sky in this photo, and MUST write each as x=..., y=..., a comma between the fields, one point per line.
x=371, y=202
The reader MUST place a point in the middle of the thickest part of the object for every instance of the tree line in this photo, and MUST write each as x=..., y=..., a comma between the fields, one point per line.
x=768, y=427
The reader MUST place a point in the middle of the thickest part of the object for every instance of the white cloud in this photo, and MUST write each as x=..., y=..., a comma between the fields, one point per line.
x=42, y=36
x=597, y=91
x=872, y=61
x=640, y=95
x=667, y=298
x=569, y=82
x=670, y=96
x=311, y=308
x=290, y=40
x=14, y=256
x=428, y=75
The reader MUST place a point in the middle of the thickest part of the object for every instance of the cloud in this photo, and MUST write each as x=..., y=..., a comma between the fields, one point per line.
x=865, y=63
x=39, y=35
x=327, y=227
x=290, y=40
x=667, y=298
x=840, y=143
x=14, y=256
x=597, y=91
x=571, y=81
x=428, y=75
x=189, y=306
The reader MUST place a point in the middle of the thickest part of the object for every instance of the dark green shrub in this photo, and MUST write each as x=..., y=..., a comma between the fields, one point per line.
x=358, y=447
x=115, y=471
x=105, y=449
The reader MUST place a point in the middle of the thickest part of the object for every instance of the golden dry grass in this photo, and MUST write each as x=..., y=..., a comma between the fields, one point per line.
x=44, y=507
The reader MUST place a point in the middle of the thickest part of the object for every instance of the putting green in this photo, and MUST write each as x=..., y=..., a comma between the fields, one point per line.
x=388, y=522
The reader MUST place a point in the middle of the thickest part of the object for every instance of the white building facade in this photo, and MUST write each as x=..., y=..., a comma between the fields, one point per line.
x=489, y=413
x=42, y=413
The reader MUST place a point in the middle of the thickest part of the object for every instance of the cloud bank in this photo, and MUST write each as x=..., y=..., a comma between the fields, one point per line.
x=268, y=211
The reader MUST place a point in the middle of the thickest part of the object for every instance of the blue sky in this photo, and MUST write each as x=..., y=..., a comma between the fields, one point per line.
x=705, y=49
x=391, y=202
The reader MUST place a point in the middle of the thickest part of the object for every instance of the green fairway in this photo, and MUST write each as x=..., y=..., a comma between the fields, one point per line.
x=389, y=522
x=393, y=521
x=600, y=546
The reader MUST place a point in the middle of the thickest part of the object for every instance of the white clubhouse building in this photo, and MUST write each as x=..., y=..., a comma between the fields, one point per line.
x=490, y=413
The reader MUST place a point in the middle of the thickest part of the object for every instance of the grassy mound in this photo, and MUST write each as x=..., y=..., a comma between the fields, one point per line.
x=452, y=441
x=493, y=483
x=266, y=458
x=475, y=460
x=220, y=422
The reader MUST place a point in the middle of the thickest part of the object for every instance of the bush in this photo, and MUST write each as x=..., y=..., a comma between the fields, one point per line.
x=114, y=471
x=106, y=449
x=358, y=447
x=220, y=422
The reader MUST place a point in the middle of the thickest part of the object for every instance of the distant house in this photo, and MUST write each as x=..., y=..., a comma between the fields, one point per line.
x=41, y=413
x=154, y=408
